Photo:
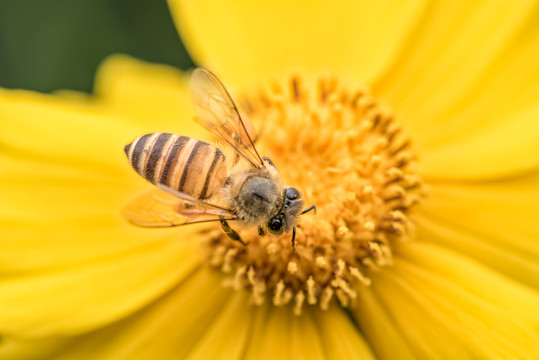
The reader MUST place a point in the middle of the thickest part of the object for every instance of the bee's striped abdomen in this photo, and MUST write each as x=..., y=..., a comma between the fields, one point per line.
x=179, y=162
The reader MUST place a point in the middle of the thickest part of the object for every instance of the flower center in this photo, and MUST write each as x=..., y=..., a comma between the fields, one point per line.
x=353, y=161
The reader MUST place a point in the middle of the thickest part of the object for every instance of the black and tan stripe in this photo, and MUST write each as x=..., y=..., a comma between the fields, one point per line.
x=182, y=163
x=137, y=150
x=172, y=159
x=218, y=161
x=156, y=156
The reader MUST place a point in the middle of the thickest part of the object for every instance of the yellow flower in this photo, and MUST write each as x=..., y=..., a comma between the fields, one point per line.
x=461, y=81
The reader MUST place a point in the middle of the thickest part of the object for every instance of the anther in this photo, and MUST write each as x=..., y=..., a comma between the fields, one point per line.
x=278, y=295
x=369, y=225
x=327, y=294
x=271, y=248
x=311, y=291
x=299, y=299
x=292, y=267
x=238, y=277
x=218, y=255
x=343, y=297
x=227, y=262
x=359, y=276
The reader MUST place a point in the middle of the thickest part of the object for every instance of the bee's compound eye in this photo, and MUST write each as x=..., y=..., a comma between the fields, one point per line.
x=275, y=226
x=291, y=194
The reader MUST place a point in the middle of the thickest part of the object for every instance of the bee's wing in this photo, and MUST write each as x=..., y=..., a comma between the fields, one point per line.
x=165, y=207
x=215, y=110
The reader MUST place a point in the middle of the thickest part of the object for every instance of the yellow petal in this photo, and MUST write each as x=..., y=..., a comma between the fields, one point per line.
x=508, y=262
x=65, y=179
x=17, y=348
x=379, y=328
x=504, y=147
x=45, y=127
x=167, y=329
x=494, y=222
x=340, y=336
x=447, y=306
x=153, y=96
x=278, y=334
x=227, y=335
x=516, y=299
x=80, y=297
x=427, y=339
x=58, y=214
x=42, y=188
x=248, y=42
x=466, y=64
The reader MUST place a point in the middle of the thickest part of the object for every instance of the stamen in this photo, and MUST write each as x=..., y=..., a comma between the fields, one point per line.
x=271, y=248
x=311, y=291
x=292, y=267
x=299, y=299
x=327, y=294
x=359, y=276
x=354, y=162
x=227, y=262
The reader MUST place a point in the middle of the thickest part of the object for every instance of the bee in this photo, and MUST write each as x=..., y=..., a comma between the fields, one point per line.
x=192, y=177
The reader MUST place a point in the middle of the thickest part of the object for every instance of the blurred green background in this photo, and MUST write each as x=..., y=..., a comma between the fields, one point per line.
x=47, y=45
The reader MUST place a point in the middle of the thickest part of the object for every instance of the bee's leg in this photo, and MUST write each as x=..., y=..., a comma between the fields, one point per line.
x=261, y=231
x=231, y=233
x=294, y=238
x=268, y=160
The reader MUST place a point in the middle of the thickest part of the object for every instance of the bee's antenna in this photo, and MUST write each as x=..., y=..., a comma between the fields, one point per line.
x=313, y=207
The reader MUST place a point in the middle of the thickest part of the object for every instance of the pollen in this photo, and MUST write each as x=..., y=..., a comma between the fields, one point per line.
x=352, y=160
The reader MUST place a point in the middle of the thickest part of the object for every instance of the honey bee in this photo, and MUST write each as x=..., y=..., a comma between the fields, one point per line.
x=192, y=177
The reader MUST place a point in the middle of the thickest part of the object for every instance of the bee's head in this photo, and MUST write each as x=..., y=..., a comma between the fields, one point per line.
x=287, y=216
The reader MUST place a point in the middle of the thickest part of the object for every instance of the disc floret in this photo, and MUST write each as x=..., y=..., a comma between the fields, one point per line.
x=354, y=162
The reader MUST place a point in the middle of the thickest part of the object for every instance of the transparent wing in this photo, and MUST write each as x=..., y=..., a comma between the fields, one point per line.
x=215, y=110
x=165, y=207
